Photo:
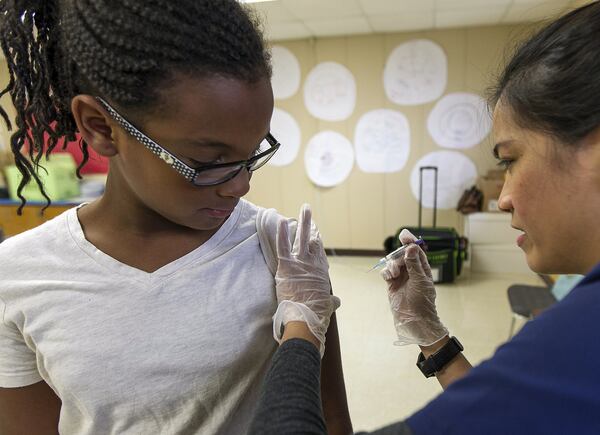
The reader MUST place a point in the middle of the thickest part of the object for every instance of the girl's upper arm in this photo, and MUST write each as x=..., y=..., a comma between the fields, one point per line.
x=34, y=409
x=27, y=404
x=333, y=388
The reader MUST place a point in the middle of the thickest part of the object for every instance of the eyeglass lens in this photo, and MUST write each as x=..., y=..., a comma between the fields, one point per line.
x=220, y=175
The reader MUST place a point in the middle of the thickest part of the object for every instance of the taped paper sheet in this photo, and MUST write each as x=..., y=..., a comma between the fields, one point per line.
x=456, y=172
x=459, y=120
x=286, y=72
x=328, y=159
x=330, y=92
x=286, y=130
x=382, y=141
x=416, y=72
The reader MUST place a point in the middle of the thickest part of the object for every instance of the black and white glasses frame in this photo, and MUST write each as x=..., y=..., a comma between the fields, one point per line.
x=192, y=174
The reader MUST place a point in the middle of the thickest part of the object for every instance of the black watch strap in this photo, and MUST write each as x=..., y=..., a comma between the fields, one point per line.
x=436, y=362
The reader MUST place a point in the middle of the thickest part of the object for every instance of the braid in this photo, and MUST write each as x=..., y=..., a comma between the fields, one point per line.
x=27, y=38
x=122, y=50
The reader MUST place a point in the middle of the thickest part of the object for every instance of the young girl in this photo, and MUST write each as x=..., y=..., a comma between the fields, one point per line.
x=122, y=316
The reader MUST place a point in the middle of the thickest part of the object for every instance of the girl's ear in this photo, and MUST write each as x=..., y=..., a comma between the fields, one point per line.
x=94, y=124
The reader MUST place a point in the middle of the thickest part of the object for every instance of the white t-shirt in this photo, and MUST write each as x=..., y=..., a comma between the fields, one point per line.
x=182, y=350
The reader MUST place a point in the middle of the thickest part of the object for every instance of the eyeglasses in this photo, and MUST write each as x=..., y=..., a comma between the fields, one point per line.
x=206, y=175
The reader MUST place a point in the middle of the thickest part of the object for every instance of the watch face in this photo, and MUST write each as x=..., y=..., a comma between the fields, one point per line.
x=436, y=362
x=425, y=365
x=460, y=346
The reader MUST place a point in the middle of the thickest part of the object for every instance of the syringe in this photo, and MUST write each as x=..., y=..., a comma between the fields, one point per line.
x=396, y=254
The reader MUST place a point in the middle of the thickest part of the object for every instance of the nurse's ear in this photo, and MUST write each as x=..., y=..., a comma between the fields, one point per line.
x=588, y=154
x=94, y=124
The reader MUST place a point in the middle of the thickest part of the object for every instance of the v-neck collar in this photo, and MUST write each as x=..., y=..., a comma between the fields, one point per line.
x=115, y=266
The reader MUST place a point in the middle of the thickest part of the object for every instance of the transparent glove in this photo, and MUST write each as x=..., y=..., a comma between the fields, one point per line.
x=412, y=296
x=302, y=280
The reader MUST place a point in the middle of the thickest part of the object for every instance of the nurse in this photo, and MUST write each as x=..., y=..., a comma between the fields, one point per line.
x=546, y=115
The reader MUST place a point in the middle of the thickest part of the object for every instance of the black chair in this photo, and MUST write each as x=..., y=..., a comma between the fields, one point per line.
x=526, y=301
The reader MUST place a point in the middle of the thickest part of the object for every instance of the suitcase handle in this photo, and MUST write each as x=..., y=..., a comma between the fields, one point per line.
x=435, y=185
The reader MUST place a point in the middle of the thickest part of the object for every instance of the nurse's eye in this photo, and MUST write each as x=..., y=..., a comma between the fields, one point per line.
x=505, y=163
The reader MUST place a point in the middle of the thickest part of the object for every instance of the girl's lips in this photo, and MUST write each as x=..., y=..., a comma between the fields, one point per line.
x=521, y=239
x=217, y=213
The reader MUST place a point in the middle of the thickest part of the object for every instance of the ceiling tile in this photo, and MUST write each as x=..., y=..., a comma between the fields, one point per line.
x=384, y=7
x=534, y=12
x=273, y=11
x=340, y=26
x=469, y=17
x=321, y=9
x=278, y=31
x=291, y=19
x=403, y=22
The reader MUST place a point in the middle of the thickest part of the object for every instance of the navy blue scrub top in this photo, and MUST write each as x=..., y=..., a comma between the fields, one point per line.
x=546, y=380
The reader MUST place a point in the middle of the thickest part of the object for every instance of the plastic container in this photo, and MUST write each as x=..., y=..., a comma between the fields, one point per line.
x=58, y=177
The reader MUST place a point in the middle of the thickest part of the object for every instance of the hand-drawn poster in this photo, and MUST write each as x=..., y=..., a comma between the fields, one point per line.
x=459, y=120
x=382, y=141
x=415, y=73
x=330, y=92
x=286, y=72
x=328, y=159
x=456, y=172
x=286, y=130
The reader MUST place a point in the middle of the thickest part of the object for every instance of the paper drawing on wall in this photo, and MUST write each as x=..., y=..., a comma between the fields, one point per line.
x=286, y=72
x=328, y=159
x=415, y=73
x=382, y=141
x=456, y=173
x=459, y=120
x=286, y=130
x=330, y=92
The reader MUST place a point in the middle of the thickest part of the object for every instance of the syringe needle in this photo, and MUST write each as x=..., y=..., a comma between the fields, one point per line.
x=395, y=254
x=378, y=264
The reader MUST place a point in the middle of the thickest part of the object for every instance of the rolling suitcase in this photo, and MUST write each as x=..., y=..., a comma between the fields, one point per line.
x=445, y=250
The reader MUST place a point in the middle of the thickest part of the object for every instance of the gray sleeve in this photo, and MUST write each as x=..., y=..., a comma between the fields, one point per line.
x=290, y=401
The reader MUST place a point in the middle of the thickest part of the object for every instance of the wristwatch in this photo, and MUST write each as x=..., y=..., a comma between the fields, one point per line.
x=437, y=361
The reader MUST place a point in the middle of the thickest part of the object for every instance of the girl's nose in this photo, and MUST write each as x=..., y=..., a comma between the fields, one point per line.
x=238, y=186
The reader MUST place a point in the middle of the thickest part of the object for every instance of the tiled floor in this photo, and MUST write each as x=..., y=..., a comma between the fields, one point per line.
x=382, y=381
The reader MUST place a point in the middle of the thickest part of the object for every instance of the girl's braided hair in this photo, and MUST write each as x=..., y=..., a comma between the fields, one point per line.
x=122, y=50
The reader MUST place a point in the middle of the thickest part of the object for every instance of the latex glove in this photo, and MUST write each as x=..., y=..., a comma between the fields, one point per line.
x=302, y=280
x=412, y=296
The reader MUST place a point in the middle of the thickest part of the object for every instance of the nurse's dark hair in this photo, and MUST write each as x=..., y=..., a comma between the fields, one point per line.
x=126, y=51
x=551, y=83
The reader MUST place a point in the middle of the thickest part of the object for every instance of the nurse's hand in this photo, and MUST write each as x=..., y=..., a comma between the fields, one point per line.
x=412, y=296
x=302, y=280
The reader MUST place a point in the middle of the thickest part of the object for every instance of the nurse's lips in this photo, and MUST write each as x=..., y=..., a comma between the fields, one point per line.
x=521, y=239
